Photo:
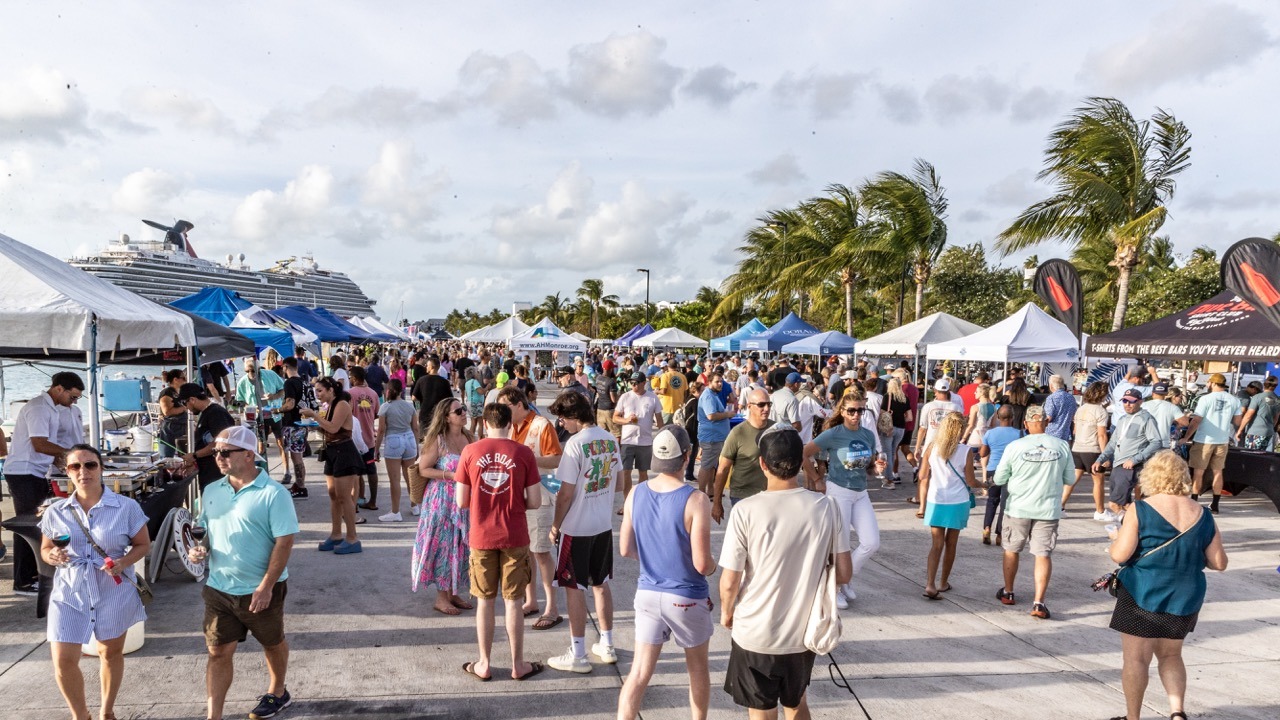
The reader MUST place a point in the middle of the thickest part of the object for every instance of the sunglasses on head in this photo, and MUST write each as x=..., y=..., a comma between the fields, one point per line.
x=228, y=453
x=87, y=465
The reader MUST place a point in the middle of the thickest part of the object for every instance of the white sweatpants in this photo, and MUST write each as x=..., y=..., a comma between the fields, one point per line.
x=859, y=515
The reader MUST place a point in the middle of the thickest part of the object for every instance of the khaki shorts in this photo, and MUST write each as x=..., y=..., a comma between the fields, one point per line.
x=709, y=455
x=227, y=618
x=507, y=569
x=1040, y=535
x=604, y=419
x=1207, y=456
x=540, y=520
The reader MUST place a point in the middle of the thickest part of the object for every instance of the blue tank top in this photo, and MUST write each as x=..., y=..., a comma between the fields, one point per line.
x=666, y=560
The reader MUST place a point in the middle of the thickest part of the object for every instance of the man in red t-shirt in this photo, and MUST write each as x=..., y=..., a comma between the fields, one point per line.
x=498, y=481
x=968, y=391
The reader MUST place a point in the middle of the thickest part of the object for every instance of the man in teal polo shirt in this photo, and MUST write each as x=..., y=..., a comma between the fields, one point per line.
x=251, y=523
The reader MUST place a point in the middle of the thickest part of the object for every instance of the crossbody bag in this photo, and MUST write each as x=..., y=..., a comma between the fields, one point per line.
x=1111, y=580
x=139, y=583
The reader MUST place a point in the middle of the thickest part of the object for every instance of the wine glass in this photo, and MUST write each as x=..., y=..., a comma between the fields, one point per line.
x=59, y=534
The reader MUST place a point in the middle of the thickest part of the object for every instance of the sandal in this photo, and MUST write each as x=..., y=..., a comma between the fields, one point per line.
x=935, y=595
x=945, y=589
x=470, y=669
x=531, y=612
x=451, y=611
x=546, y=623
x=535, y=668
x=461, y=604
x=1178, y=714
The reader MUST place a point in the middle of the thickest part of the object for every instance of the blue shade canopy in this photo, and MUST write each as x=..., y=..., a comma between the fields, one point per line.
x=626, y=337
x=733, y=341
x=221, y=306
x=635, y=334
x=787, y=330
x=827, y=343
x=358, y=334
x=305, y=317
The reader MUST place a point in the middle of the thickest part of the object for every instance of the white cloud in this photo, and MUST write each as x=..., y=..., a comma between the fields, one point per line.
x=1018, y=189
x=781, y=170
x=483, y=288
x=187, y=111
x=631, y=228
x=398, y=185
x=716, y=85
x=39, y=103
x=297, y=209
x=1189, y=41
x=953, y=96
x=145, y=192
x=901, y=103
x=566, y=202
x=828, y=95
x=514, y=87
x=623, y=75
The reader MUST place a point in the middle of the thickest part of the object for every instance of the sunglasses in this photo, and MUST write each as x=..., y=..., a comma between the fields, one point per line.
x=458, y=411
x=853, y=410
x=1127, y=401
x=228, y=453
x=89, y=465
x=761, y=404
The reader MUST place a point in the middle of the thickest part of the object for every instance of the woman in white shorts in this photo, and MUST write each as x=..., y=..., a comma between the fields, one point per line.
x=398, y=438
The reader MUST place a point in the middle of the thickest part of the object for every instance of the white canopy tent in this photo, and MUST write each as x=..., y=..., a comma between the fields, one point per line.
x=498, y=332
x=581, y=337
x=256, y=317
x=670, y=338
x=1029, y=335
x=49, y=306
x=912, y=339
x=546, y=336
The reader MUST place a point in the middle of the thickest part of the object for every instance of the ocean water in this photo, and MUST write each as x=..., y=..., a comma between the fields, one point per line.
x=23, y=382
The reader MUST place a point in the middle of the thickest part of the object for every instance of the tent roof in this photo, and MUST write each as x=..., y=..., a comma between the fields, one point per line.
x=305, y=317
x=670, y=337
x=357, y=333
x=1224, y=327
x=581, y=337
x=545, y=335
x=1029, y=335
x=787, y=330
x=634, y=333
x=223, y=307
x=373, y=323
x=827, y=343
x=499, y=332
x=732, y=341
x=913, y=337
x=46, y=303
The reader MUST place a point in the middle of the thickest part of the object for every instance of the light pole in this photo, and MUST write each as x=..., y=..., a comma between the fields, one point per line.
x=646, y=293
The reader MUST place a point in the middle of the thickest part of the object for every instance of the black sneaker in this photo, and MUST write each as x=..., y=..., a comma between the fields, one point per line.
x=298, y=493
x=31, y=589
x=269, y=706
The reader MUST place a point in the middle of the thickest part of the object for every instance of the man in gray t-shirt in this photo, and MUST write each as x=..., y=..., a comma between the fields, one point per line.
x=1257, y=429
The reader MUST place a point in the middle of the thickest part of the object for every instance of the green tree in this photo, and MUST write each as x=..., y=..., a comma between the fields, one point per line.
x=1170, y=290
x=1112, y=176
x=908, y=218
x=965, y=285
x=555, y=308
x=592, y=291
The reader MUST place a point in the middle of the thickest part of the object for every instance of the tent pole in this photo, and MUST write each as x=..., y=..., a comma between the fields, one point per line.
x=95, y=415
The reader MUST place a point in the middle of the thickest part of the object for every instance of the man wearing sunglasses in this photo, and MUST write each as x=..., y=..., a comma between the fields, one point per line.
x=741, y=453
x=43, y=432
x=213, y=419
x=1136, y=438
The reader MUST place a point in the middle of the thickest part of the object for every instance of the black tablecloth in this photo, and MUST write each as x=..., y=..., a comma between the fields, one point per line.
x=1259, y=470
x=158, y=504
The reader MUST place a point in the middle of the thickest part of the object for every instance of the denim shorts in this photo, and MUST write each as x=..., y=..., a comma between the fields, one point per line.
x=401, y=446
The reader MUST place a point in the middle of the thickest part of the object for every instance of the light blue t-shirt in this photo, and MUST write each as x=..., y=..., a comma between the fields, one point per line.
x=1217, y=410
x=243, y=527
x=712, y=431
x=997, y=439
x=851, y=452
x=1117, y=394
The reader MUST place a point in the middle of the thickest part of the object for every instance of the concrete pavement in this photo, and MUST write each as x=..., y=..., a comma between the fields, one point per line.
x=363, y=645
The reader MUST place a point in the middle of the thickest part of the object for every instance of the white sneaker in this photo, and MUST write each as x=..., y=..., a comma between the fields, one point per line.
x=605, y=653
x=849, y=594
x=416, y=510
x=391, y=517
x=1101, y=516
x=841, y=602
x=568, y=663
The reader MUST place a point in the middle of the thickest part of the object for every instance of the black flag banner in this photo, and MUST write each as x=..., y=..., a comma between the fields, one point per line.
x=1251, y=269
x=1058, y=284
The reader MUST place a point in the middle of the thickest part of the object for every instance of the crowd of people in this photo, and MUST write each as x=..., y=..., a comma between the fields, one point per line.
x=513, y=498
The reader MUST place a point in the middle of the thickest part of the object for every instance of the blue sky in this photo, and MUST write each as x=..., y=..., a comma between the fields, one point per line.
x=450, y=154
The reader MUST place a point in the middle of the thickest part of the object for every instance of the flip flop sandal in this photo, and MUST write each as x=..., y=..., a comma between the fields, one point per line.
x=546, y=623
x=530, y=613
x=469, y=668
x=945, y=589
x=935, y=595
x=361, y=521
x=536, y=667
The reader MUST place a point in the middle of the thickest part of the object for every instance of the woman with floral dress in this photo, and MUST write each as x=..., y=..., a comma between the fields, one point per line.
x=440, y=552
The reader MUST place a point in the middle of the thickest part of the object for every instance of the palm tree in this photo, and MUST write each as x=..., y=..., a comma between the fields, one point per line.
x=592, y=291
x=1113, y=176
x=907, y=217
x=555, y=308
x=768, y=249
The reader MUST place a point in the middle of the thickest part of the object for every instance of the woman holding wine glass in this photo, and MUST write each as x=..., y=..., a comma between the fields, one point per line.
x=93, y=538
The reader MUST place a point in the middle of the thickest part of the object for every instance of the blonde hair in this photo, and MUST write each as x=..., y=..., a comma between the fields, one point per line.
x=894, y=389
x=947, y=437
x=1165, y=474
x=439, y=424
x=987, y=393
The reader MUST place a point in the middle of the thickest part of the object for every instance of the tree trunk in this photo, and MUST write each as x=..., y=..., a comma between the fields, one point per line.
x=595, y=320
x=848, y=308
x=922, y=278
x=1125, y=260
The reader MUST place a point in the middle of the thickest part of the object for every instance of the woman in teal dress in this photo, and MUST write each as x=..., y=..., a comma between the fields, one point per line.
x=1166, y=542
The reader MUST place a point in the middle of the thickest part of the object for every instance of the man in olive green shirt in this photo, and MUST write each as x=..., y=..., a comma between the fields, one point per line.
x=741, y=453
x=1034, y=469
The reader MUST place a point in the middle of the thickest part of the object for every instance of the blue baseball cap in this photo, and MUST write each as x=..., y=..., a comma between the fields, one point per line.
x=793, y=378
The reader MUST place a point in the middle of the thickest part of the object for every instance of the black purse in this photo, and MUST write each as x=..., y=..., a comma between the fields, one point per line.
x=1111, y=580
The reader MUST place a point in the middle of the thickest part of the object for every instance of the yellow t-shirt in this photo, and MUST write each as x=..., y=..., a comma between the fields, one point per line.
x=672, y=388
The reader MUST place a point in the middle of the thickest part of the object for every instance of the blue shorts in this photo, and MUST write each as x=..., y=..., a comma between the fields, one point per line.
x=401, y=446
x=953, y=516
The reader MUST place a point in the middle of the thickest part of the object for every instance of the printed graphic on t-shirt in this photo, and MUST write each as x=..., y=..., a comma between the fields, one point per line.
x=598, y=458
x=1042, y=454
x=495, y=470
x=856, y=455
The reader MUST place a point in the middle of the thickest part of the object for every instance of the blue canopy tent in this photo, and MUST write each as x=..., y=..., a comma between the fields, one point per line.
x=624, y=337
x=733, y=341
x=787, y=330
x=305, y=317
x=635, y=334
x=358, y=334
x=221, y=306
x=827, y=343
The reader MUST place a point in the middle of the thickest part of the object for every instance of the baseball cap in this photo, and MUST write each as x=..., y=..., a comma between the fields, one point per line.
x=793, y=378
x=943, y=385
x=1217, y=379
x=241, y=437
x=638, y=376
x=1160, y=388
x=849, y=375
x=564, y=370
x=191, y=390
x=669, y=447
x=607, y=365
x=1132, y=394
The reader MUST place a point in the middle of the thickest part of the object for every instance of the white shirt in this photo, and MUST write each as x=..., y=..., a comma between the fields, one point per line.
x=644, y=407
x=808, y=408
x=589, y=466
x=40, y=417
x=785, y=408
x=341, y=375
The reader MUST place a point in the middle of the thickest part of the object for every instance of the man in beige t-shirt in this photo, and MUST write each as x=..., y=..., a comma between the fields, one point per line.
x=775, y=549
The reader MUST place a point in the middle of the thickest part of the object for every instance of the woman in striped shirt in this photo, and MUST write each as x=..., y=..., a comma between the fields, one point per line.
x=92, y=596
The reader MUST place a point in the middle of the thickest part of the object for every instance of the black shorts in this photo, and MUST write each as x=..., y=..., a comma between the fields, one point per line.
x=584, y=562
x=1122, y=484
x=760, y=681
x=370, y=465
x=267, y=428
x=1084, y=460
x=342, y=459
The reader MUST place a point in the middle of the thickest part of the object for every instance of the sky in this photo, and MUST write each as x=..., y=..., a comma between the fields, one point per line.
x=477, y=154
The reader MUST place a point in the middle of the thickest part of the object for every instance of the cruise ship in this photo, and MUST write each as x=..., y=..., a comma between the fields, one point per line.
x=168, y=269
